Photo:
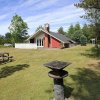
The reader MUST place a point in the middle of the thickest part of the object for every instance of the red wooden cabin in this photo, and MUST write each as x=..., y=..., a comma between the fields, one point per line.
x=47, y=39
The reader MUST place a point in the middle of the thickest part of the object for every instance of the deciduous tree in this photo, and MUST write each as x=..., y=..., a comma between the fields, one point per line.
x=8, y=38
x=18, y=28
x=2, y=40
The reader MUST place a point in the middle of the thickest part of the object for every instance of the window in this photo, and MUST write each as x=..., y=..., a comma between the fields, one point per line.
x=39, y=42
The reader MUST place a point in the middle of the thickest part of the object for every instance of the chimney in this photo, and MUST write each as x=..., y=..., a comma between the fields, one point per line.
x=46, y=27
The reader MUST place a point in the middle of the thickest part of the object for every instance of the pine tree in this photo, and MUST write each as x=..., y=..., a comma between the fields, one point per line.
x=77, y=27
x=71, y=31
x=61, y=31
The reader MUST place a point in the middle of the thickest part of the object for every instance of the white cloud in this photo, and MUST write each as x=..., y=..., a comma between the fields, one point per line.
x=3, y=16
x=57, y=17
x=27, y=3
x=31, y=5
x=44, y=4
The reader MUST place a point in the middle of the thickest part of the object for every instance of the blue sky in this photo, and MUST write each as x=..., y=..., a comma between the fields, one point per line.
x=38, y=12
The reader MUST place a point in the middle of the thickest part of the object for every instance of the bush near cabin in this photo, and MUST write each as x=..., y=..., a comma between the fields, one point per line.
x=83, y=40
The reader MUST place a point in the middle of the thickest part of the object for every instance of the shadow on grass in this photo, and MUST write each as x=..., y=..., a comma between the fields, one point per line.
x=87, y=85
x=9, y=70
x=93, y=52
x=68, y=91
x=95, y=66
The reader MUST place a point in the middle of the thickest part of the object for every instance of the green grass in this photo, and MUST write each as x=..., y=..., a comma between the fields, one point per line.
x=27, y=79
x=2, y=46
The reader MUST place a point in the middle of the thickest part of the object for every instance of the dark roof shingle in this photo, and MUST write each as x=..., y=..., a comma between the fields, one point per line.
x=61, y=37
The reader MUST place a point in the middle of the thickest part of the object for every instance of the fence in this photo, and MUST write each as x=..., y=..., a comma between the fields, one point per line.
x=26, y=45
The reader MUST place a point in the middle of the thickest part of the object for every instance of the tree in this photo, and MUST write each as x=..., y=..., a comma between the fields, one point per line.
x=71, y=31
x=8, y=38
x=18, y=29
x=38, y=28
x=2, y=40
x=77, y=27
x=61, y=31
x=83, y=40
x=91, y=30
x=77, y=35
x=74, y=32
x=87, y=32
x=92, y=13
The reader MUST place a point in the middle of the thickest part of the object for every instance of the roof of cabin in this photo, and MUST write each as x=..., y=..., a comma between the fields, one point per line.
x=61, y=37
x=58, y=36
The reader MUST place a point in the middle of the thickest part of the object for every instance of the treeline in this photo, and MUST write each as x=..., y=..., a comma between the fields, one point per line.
x=9, y=39
x=76, y=32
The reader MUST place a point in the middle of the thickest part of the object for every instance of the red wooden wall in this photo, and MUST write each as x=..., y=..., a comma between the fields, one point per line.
x=55, y=43
x=46, y=41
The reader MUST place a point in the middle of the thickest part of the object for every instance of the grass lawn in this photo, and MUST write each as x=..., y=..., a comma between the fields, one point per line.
x=27, y=79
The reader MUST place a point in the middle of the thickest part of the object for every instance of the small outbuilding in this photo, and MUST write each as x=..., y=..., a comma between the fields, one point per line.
x=44, y=38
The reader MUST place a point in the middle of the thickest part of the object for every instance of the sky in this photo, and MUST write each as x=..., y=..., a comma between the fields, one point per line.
x=38, y=12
